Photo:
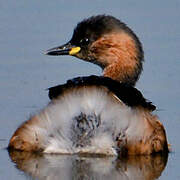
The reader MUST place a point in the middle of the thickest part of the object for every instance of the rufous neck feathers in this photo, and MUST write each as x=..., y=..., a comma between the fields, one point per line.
x=119, y=56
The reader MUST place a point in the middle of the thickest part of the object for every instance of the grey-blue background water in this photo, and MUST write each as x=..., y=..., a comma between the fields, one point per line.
x=29, y=27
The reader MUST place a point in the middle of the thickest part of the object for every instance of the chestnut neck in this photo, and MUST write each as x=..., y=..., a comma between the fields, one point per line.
x=120, y=55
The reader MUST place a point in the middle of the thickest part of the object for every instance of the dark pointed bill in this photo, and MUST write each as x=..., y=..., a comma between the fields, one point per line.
x=66, y=49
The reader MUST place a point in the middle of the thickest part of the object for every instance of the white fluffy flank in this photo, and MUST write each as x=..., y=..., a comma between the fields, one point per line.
x=85, y=120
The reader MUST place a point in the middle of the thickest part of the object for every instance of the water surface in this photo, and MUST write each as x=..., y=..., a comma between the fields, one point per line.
x=29, y=27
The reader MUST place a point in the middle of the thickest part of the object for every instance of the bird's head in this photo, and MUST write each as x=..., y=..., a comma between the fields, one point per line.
x=109, y=43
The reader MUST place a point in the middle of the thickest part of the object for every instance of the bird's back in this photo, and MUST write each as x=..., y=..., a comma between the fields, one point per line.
x=84, y=117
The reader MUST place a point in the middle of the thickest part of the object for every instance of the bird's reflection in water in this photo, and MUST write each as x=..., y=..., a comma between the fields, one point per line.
x=86, y=167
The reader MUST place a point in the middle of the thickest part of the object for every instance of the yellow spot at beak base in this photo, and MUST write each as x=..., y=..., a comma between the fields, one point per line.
x=74, y=50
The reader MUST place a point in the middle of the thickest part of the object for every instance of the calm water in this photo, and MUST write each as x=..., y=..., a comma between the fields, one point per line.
x=29, y=27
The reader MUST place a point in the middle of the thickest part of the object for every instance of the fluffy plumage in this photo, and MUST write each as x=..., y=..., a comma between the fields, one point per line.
x=90, y=119
x=97, y=115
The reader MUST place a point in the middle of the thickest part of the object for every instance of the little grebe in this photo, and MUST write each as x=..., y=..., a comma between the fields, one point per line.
x=97, y=114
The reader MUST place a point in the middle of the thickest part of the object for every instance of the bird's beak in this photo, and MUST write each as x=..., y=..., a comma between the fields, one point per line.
x=66, y=49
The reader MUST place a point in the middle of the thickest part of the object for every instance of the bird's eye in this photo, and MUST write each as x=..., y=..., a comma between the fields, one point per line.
x=84, y=41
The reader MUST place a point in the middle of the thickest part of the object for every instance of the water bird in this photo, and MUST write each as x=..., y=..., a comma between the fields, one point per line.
x=97, y=114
